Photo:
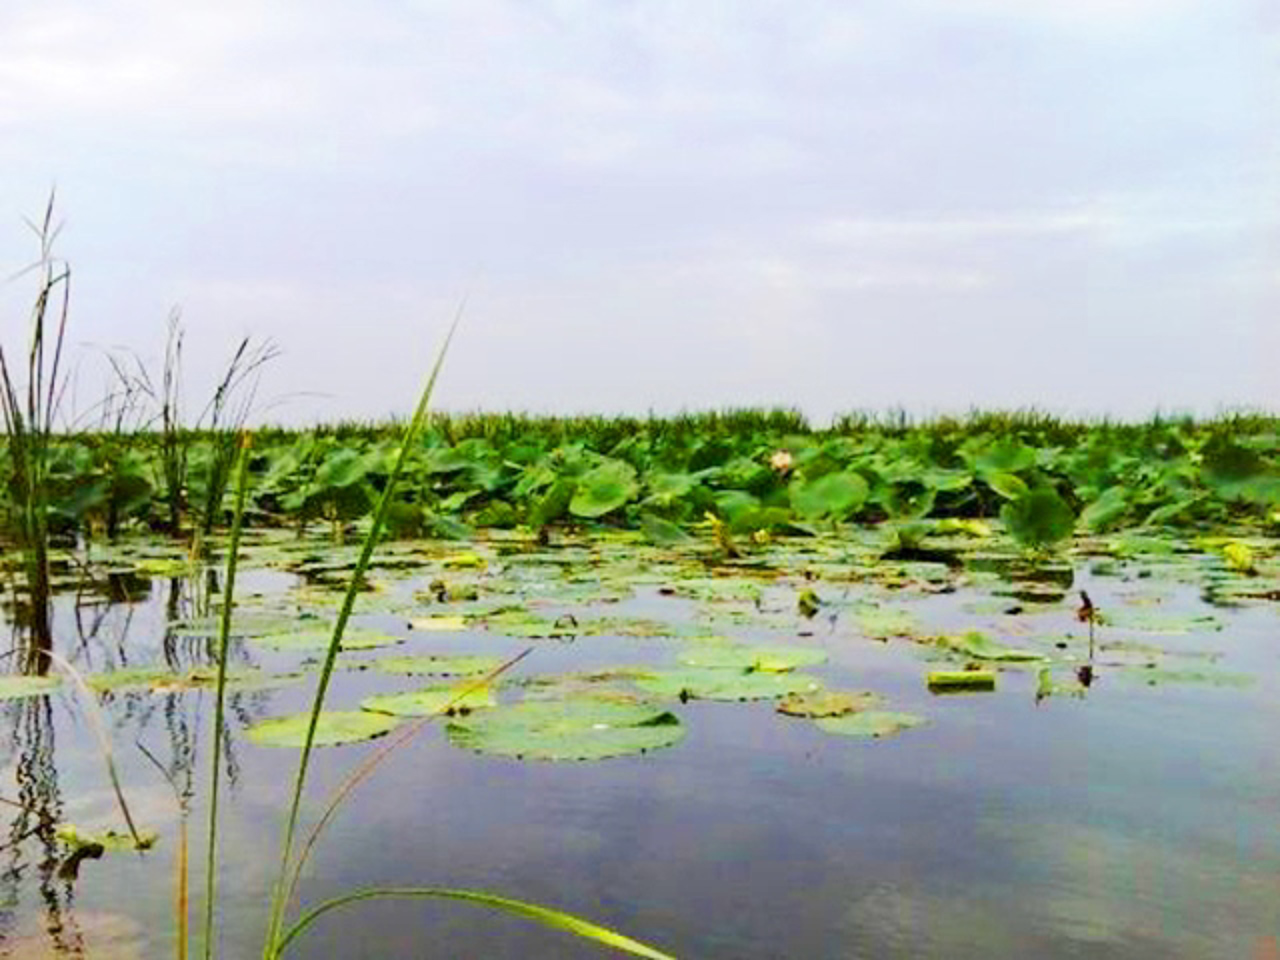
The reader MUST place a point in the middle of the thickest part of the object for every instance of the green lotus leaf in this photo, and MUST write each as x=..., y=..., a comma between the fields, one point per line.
x=662, y=533
x=978, y=645
x=960, y=681
x=827, y=703
x=334, y=727
x=353, y=638
x=1104, y=512
x=603, y=489
x=1004, y=455
x=1039, y=518
x=436, y=665
x=430, y=701
x=577, y=729
x=13, y=687
x=741, y=657
x=834, y=495
x=882, y=623
x=1008, y=485
x=870, y=723
x=710, y=683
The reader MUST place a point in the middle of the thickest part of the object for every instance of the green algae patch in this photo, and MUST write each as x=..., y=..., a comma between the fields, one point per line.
x=334, y=727
x=578, y=729
x=777, y=659
x=827, y=703
x=12, y=688
x=437, y=665
x=709, y=683
x=961, y=681
x=871, y=724
x=430, y=701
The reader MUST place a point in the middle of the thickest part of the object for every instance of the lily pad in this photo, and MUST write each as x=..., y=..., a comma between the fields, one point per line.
x=742, y=657
x=870, y=723
x=827, y=703
x=439, y=665
x=13, y=687
x=450, y=624
x=979, y=645
x=430, y=701
x=352, y=639
x=707, y=683
x=577, y=729
x=334, y=727
x=961, y=681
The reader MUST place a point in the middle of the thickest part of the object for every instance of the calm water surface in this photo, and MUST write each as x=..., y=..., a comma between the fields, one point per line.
x=1137, y=822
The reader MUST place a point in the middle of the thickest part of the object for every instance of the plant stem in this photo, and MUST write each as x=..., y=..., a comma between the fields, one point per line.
x=219, y=720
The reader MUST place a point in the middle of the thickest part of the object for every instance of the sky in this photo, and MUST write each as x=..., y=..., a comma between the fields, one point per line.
x=651, y=205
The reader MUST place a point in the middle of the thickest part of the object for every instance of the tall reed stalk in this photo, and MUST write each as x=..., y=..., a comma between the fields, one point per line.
x=29, y=411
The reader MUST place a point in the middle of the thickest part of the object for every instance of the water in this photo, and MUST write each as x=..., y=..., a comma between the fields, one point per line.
x=1138, y=821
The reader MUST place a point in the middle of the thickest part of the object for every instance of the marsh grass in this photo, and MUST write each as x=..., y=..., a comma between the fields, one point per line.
x=29, y=412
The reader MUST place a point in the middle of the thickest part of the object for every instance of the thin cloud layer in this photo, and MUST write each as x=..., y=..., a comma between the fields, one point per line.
x=659, y=205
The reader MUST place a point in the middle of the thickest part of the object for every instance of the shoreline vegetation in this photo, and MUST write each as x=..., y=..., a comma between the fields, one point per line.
x=753, y=472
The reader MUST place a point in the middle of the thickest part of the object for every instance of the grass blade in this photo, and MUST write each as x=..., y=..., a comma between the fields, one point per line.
x=326, y=671
x=219, y=720
x=547, y=916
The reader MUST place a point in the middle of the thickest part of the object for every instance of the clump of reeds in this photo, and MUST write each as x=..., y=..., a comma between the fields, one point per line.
x=29, y=410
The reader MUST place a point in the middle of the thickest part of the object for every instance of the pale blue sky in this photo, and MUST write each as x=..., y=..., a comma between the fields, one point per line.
x=932, y=204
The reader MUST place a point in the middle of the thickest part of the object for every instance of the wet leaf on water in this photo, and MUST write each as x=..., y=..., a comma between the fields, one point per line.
x=439, y=665
x=13, y=687
x=578, y=729
x=709, y=683
x=870, y=723
x=827, y=703
x=429, y=701
x=441, y=624
x=353, y=638
x=334, y=727
x=749, y=658
x=961, y=681
x=979, y=645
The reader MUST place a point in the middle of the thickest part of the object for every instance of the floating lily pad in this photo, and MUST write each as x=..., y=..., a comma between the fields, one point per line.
x=1212, y=678
x=249, y=625
x=13, y=687
x=439, y=624
x=578, y=729
x=705, y=683
x=961, y=681
x=747, y=658
x=870, y=723
x=827, y=703
x=882, y=623
x=334, y=727
x=352, y=639
x=429, y=701
x=979, y=645
x=440, y=665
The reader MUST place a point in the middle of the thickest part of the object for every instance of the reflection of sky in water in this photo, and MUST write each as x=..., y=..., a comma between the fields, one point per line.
x=1139, y=823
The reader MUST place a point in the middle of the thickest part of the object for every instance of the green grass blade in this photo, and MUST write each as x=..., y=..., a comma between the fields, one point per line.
x=547, y=916
x=219, y=720
x=411, y=432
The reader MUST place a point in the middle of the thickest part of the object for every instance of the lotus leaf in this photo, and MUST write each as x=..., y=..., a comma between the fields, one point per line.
x=13, y=687
x=352, y=639
x=827, y=703
x=439, y=624
x=430, y=701
x=603, y=489
x=437, y=665
x=979, y=645
x=577, y=729
x=960, y=681
x=1038, y=518
x=710, y=683
x=1106, y=510
x=835, y=495
x=870, y=723
x=738, y=656
x=334, y=727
